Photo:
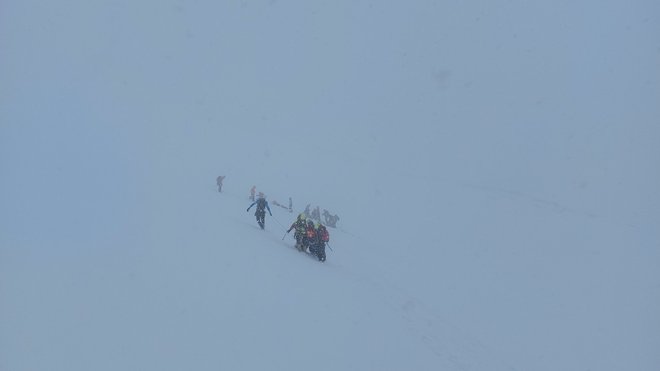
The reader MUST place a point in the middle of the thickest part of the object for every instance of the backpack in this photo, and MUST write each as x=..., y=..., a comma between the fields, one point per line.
x=325, y=236
x=261, y=204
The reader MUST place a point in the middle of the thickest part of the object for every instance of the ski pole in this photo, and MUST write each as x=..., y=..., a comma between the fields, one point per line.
x=284, y=235
x=328, y=243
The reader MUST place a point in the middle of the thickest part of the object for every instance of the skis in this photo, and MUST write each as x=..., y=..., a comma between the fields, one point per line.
x=282, y=206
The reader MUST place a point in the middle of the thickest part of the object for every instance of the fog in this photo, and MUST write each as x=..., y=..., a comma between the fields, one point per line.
x=494, y=166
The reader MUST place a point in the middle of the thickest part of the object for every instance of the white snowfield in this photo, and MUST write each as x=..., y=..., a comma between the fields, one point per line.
x=494, y=166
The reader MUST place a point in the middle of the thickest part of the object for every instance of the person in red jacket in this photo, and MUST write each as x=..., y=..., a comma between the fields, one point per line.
x=309, y=237
x=322, y=237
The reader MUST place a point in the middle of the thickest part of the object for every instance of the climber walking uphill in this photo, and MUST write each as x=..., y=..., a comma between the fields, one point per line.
x=310, y=236
x=300, y=225
x=317, y=248
x=262, y=205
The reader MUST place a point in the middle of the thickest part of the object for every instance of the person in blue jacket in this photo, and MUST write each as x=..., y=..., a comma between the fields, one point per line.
x=262, y=205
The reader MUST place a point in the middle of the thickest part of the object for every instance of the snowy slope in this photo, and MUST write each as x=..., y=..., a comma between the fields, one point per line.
x=212, y=291
x=494, y=167
x=207, y=289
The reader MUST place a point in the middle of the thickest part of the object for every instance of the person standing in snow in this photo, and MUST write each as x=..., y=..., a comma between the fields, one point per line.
x=309, y=236
x=219, y=182
x=330, y=220
x=253, y=190
x=300, y=225
x=318, y=247
x=316, y=214
x=262, y=205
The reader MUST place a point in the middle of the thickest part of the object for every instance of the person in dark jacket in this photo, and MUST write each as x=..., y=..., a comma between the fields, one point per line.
x=330, y=220
x=316, y=214
x=300, y=225
x=262, y=205
x=318, y=247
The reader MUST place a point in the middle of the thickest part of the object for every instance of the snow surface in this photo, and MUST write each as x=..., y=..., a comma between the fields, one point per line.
x=494, y=164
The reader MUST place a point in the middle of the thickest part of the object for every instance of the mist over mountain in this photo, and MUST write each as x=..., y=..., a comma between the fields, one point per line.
x=493, y=164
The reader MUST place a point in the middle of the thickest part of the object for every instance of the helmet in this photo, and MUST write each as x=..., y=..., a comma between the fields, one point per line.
x=310, y=223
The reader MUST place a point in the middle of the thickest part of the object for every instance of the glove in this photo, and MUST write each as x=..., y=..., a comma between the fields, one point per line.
x=270, y=214
x=248, y=210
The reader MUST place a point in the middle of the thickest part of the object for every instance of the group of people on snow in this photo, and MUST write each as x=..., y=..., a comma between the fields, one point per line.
x=310, y=236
